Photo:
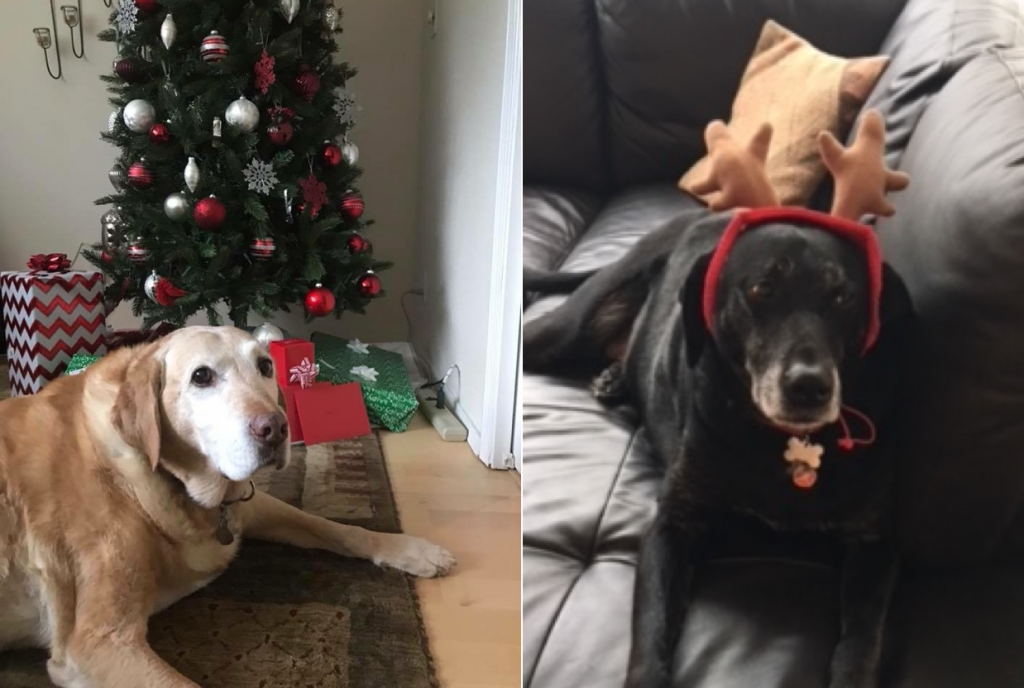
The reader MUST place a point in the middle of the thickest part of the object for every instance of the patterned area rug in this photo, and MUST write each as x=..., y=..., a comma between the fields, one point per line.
x=282, y=617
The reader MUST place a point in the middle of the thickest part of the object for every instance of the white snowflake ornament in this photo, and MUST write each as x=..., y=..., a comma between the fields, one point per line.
x=346, y=107
x=127, y=16
x=260, y=176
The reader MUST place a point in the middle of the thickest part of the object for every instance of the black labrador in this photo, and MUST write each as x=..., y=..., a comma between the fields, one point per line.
x=726, y=385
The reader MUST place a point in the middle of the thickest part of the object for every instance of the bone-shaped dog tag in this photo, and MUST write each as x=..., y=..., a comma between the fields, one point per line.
x=802, y=451
x=224, y=534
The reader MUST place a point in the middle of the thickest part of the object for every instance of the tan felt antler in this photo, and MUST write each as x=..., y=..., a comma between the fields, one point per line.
x=861, y=177
x=735, y=171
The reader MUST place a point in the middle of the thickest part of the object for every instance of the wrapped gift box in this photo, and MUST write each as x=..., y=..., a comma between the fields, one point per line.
x=317, y=410
x=80, y=362
x=390, y=400
x=48, y=317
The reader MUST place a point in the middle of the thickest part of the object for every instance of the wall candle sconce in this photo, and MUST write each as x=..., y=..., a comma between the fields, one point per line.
x=45, y=38
x=73, y=18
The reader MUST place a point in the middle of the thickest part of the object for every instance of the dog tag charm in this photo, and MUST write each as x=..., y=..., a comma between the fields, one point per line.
x=224, y=534
x=803, y=475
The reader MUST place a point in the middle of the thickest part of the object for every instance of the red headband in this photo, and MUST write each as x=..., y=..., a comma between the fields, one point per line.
x=860, y=234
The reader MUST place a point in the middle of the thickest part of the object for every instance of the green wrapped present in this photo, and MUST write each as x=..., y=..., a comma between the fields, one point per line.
x=389, y=397
x=80, y=362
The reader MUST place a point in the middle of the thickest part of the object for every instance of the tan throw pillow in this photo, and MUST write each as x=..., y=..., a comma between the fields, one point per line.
x=800, y=91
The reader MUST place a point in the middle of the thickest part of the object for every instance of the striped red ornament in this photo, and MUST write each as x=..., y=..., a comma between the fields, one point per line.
x=352, y=205
x=214, y=48
x=140, y=176
x=48, y=317
x=137, y=253
x=262, y=249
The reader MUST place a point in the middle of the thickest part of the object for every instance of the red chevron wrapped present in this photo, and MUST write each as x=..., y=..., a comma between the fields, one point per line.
x=48, y=317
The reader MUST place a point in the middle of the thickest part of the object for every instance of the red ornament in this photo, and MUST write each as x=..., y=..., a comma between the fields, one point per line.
x=357, y=244
x=137, y=253
x=265, y=72
x=352, y=205
x=166, y=293
x=306, y=83
x=262, y=249
x=280, y=134
x=130, y=70
x=300, y=208
x=330, y=155
x=314, y=194
x=160, y=134
x=105, y=257
x=214, y=48
x=369, y=285
x=140, y=176
x=319, y=301
x=210, y=213
x=149, y=6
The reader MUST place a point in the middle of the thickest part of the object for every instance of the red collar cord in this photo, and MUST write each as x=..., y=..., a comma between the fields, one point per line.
x=847, y=442
x=860, y=234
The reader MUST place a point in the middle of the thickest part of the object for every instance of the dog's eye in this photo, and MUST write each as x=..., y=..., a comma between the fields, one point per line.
x=202, y=377
x=760, y=291
x=266, y=367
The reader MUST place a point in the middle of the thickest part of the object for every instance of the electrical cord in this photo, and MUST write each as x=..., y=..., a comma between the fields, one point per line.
x=440, y=397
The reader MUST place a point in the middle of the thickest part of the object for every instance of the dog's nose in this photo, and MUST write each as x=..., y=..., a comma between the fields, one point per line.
x=270, y=429
x=807, y=385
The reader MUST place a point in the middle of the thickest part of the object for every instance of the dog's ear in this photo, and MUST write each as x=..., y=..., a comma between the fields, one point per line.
x=136, y=412
x=895, y=304
x=692, y=300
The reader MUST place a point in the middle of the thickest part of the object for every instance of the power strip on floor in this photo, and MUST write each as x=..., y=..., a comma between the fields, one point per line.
x=446, y=424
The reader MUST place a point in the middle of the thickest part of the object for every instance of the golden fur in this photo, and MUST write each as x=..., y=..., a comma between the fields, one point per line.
x=109, y=504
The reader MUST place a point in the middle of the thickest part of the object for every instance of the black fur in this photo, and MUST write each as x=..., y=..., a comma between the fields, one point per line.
x=792, y=297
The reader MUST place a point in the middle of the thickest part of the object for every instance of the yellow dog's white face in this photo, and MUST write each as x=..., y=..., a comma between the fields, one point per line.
x=203, y=402
x=220, y=396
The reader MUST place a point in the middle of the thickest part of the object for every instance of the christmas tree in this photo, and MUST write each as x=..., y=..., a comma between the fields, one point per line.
x=236, y=178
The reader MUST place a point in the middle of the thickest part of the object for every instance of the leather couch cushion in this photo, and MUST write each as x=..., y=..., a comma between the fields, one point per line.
x=957, y=628
x=958, y=240
x=671, y=67
x=563, y=100
x=929, y=43
x=554, y=219
x=801, y=92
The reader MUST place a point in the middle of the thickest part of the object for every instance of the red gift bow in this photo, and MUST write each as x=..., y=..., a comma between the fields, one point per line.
x=49, y=262
x=305, y=373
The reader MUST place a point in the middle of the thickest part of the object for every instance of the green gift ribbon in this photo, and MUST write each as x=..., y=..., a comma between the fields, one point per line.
x=390, y=401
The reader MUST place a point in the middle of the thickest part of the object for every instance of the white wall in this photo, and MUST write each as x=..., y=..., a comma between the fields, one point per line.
x=53, y=163
x=462, y=96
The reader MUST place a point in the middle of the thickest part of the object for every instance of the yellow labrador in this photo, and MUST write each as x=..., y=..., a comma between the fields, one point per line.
x=127, y=488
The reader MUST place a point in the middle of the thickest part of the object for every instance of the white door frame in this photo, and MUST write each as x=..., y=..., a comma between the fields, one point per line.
x=505, y=307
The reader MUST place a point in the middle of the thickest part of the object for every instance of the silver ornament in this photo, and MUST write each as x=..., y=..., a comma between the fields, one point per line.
x=176, y=206
x=242, y=114
x=289, y=8
x=267, y=333
x=139, y=116
x=116, y=177
x=192, y=175
x=330, y=16
x=113, y=121
x=350, y=152
x=112, y=226
x=149, y=286
x=168, y=31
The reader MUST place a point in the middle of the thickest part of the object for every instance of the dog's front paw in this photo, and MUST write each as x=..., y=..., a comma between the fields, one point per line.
x=414, y=555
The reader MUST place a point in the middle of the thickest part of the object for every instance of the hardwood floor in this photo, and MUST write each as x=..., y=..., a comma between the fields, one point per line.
x=447, y=495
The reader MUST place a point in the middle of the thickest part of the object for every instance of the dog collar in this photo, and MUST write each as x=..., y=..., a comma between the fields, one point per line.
x=224, y=534
x=860, y=234
x=804, y=457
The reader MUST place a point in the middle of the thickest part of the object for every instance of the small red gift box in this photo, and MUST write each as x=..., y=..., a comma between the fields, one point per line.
x=288, y=354
x=317, y=411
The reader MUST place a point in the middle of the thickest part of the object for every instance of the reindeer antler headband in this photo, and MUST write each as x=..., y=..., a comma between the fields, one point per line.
x=861, y=179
